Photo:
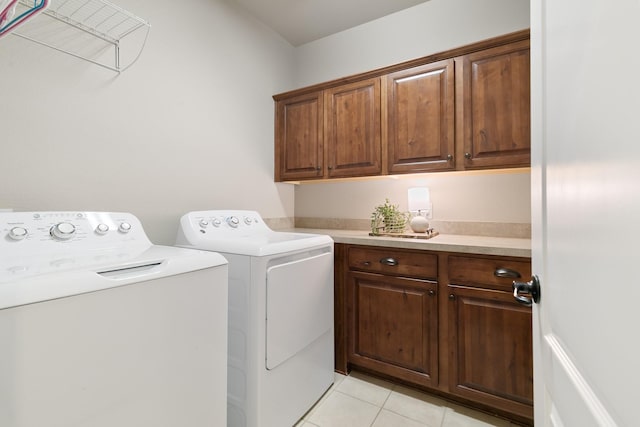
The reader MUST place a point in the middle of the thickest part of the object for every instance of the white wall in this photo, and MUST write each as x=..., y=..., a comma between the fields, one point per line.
x=187, y=127
x=428, y=28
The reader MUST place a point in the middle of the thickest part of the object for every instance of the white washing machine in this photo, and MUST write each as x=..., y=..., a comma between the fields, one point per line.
x=281, y=357
x=101, y=328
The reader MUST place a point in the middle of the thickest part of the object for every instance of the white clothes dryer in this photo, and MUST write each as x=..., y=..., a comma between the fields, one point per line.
x=101, y=328
x=281, y=342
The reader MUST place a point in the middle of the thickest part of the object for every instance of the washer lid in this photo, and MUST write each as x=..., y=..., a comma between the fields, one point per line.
x=41, y=278
x=47, y=255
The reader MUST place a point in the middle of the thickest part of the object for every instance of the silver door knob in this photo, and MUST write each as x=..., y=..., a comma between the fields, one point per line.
x=531, y=288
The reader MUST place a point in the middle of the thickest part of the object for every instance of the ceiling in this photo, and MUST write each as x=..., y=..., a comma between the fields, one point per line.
x=302, y=21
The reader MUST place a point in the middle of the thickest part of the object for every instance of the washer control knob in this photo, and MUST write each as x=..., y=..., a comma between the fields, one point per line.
x=204, y=223
x=248, y=220
x=63, y=231
x=102, y=229
x=233, y=222
x=216, y=222
x=124, y=227
x=18, y=233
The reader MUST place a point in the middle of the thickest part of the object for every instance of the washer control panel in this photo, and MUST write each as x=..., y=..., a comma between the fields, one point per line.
x=35, y=243
x=31, y=233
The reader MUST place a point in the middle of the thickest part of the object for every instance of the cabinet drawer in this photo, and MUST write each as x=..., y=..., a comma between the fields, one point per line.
x=490, y=272
x=394, y=262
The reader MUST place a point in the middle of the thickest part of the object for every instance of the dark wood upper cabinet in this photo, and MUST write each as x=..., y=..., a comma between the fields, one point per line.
x=352, y=129
x=420, y=118
x=299, y=131
x=494, y=106
x=467, y=108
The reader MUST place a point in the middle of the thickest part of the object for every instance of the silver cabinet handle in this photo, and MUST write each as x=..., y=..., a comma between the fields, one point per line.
x=531, y=288
x=389, y=261
x=506, y=272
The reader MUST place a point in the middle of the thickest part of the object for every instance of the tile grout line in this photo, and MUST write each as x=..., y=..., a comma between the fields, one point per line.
x=376, y=417
x=444, y=415
x=382, y=406
x=358, y=398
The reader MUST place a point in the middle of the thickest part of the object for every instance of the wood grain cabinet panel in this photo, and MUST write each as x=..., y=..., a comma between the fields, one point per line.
x=299, y=132
x=495, y=106
x=494, y=272
x=396, y=262
x=441, y=321
x=393, y=326
x=353, y=129
x=420, y=114
x=491, y=349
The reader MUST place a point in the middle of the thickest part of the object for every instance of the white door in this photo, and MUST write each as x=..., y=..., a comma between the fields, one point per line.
x=586, y=210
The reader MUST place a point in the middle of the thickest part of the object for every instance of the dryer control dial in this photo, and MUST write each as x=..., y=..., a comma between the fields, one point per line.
x=18, y=233
x=124, y=227
x=248, y=220
x=102, y=229
x=203, y=223
x=233, y=221
x=216, y=222
x=63, y=231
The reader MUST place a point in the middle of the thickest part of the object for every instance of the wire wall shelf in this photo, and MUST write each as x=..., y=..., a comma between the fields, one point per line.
x=93, y=30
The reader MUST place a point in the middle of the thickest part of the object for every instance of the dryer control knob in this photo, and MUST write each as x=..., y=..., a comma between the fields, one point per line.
x=63, y=231
x=18, y=233
x=216, y=222
x=233, y=221
x=102, y=229
x=203, y=223
x=248, y=220
x=124, y=227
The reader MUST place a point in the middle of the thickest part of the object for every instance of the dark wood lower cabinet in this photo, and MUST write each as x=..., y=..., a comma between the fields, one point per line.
x=442, y=322
x=394, y=325
x=491, y=349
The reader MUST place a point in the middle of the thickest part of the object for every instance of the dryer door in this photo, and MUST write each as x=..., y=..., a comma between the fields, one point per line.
x=299, y=306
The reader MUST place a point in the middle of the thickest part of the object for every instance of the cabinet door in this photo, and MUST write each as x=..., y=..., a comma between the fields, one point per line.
x=299, y=143
x=352, y=129
x=495, y=107
x=393, y=326
x=491, y=349
x=420, y=108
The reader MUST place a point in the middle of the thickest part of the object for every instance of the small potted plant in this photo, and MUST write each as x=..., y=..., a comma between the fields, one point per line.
x=388, y=218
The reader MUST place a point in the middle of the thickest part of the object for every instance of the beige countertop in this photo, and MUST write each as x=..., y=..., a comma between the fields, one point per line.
x=482, y=245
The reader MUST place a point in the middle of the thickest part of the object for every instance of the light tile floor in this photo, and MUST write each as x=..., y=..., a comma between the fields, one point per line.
x=359, y=400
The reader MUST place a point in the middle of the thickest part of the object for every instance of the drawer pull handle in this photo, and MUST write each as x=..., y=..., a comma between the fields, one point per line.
x=389, y=261
x=432, y=292
x=506, y=272
x=366, y=263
